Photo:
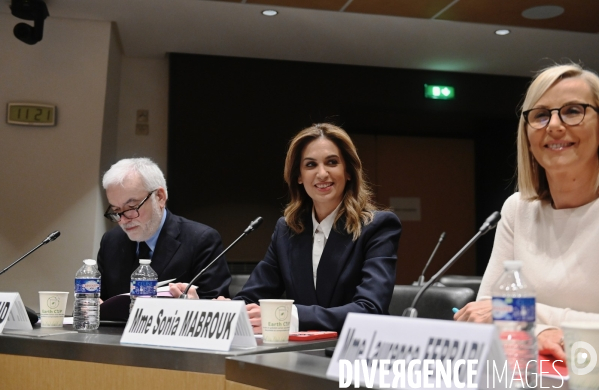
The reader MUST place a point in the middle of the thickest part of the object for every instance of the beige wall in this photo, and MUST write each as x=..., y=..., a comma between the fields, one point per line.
x=50, y=177
x=49, y=174
x=144, y=85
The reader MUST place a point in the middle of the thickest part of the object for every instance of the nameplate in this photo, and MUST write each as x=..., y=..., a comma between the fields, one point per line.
x=413, y=353
x=189, y=323
x=12, y=312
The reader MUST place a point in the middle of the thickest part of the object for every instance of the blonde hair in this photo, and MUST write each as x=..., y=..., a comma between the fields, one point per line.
x=532, y=180
x=357, y=205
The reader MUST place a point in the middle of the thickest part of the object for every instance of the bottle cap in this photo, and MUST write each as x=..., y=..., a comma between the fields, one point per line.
x=512, y=264
x=89, y=262
x=144, y=261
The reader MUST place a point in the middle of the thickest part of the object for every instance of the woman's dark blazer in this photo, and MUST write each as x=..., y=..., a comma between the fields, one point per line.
x=353, y=276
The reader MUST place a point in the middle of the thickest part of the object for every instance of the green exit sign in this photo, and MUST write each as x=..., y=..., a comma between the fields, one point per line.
x=439, y=92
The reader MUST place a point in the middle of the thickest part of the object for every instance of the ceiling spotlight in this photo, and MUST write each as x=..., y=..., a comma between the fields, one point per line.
x=35, y=10
x=502, y=32
x=543, y=12
x=269, y=12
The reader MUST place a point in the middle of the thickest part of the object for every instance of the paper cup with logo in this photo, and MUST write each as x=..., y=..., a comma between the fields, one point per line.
x=581, y=340
x=276, y=318
x=53, y=305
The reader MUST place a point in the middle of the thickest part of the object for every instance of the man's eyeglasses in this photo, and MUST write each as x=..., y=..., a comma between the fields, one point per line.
x=132, y=213
x=570, y=114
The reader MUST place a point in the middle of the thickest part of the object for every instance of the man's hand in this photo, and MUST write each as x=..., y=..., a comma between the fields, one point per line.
x=176, y=289
x=479, y=311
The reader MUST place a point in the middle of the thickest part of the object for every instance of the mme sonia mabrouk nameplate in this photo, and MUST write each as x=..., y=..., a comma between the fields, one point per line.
x=188, y=323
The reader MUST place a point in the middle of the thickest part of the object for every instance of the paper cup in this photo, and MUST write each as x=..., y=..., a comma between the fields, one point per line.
x=53, y=305
x=276, y=318
x=581, y=340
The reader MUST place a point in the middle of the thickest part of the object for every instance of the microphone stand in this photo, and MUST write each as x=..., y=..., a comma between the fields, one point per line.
x=31, y=314
x=253, y=226
x=421, y=277
x=51, y=237
x=489, y=224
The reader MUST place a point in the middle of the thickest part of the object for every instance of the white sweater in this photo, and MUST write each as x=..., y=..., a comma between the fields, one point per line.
x=560, y=254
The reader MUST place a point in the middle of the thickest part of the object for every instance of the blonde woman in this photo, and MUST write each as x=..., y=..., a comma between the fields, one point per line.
x=552, y=223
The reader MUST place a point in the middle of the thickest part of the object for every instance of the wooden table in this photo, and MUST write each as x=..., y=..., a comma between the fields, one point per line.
x=59, y=358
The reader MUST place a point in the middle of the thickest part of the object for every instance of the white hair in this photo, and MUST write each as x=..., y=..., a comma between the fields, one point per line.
x=151, y=176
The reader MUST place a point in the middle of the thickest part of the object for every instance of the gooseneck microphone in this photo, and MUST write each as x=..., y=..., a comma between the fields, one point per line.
x=31, y=314
x=51, y=237
x=489, y=224
x=253, y=226
x=421, y=277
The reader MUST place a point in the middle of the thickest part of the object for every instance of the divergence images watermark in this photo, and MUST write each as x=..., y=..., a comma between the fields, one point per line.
x=434, y=373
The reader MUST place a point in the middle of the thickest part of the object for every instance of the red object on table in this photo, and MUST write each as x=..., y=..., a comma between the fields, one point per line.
x=548, y=368
x=311, y=335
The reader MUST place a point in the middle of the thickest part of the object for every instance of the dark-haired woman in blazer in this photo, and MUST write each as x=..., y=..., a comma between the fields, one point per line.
x=333, y=252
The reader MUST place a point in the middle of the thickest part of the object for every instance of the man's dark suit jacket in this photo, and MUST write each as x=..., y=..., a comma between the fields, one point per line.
x=183, y=248
x=353, y=276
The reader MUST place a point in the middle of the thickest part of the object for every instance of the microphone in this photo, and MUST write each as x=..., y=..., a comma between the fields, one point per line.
x=421, y=277
x=490, y=223
x=253, y=226
x=51, y=237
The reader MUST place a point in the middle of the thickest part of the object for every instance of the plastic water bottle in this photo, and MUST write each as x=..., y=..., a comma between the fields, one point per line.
x=86, y=310
x=514, y=316
x=143, y=282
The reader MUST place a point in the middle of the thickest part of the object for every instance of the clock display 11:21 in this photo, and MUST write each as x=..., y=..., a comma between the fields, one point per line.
x=29, y=114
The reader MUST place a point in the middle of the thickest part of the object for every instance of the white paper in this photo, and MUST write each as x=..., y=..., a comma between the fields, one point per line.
x=12, y=312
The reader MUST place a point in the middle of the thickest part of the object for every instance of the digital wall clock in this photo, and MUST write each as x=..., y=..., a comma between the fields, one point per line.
x=31, y=114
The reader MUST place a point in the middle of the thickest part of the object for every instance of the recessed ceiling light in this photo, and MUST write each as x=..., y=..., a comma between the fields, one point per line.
x=269, y=12
x=502, y=32
x=543, y=12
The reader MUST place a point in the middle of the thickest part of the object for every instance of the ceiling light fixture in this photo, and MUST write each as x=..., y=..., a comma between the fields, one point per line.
x=502, y=32
x=543, y=12
x=270, y=12
x=35, y=10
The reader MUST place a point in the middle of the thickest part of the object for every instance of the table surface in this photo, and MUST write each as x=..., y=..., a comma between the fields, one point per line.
x=304, y=370
x=296, y=365
x=284, y=370
x=104, y=346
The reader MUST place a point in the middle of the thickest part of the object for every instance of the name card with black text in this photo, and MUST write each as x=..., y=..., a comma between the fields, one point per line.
x=189, y=323
x=412, y=353
x=12, y=312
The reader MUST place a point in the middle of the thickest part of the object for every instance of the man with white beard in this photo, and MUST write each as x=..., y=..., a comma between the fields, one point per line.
x=179, y=248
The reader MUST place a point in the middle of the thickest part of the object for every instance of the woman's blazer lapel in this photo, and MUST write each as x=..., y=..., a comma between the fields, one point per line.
x=300, y=255
x=332, y=262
